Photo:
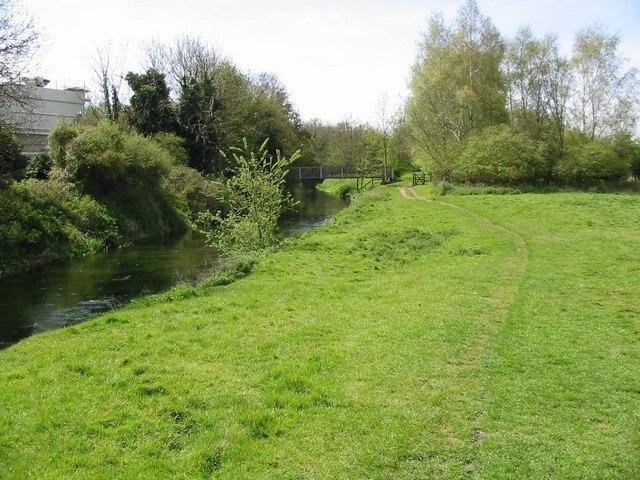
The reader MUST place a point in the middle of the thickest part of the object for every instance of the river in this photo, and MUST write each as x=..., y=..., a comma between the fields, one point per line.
x=66, y=293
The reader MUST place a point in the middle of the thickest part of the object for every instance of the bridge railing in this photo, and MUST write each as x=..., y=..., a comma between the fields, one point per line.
x=321, y=173
x=303, y=173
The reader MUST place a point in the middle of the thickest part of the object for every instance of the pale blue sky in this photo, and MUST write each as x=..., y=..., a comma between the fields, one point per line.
x=335, y=57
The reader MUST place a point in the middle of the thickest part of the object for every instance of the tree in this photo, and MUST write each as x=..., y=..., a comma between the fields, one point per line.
x=271, y=115
x=456, y=86
x=257, y=199
x=385, y=128
x=19, y=43
x=12, y=163
x=151, y=110
x=538, y=90
x=109, y=81
x=198, y=119
x=606, y=95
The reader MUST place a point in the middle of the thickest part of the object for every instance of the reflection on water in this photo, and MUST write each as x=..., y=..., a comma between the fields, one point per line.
x=69, y=292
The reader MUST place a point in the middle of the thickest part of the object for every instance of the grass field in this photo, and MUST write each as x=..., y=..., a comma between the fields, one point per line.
x=488, y=337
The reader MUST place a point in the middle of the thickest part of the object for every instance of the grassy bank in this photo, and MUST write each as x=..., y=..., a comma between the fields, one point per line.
x=485, y=337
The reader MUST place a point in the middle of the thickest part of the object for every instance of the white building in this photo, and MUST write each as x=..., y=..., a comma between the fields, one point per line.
x=46, y=108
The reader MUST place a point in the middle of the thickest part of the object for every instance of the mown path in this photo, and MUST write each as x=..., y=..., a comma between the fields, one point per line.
x=503, y=298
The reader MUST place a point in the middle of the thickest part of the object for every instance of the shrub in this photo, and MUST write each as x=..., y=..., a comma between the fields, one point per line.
x=499, y=156
x=345, y=191
x=43, y=220
x=12, y=163
x=590, y=161
x=39, y=167
x=174, y=146
x=256, y=201
x=125, y=171
x=192, y=193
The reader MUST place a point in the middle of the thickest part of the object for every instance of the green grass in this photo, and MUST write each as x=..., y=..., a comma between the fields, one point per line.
x=486, y=337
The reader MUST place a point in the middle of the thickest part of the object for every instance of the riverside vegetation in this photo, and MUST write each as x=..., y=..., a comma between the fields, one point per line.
x=485, y=336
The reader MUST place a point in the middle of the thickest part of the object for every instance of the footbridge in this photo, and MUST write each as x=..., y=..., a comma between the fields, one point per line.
x=323, y=172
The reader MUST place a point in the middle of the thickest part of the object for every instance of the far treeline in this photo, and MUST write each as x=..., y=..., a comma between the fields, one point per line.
x=486, y=110
x=481, y=110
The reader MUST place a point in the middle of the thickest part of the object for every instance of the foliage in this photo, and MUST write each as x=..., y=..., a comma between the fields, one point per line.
x=150, y=110
x=606, y=96
x=60, y=138
x=499, y=156
x=125, y=171
x=627, y=149
x=256, y=199
x=12, y=163
x=589, y=161
x=197, y=116
x=635, y=163
x=456, y=86
x=44, y=220
x=539, y=83
x=39, y=166
x=218, y=105
x=347, y=144
x=174, y=146
x=105, y=159
x=20, y=40
x=192, y=193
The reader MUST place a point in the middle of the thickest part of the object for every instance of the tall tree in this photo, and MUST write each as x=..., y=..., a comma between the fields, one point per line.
x=198, y=118
x=538, y=89
x=151, y=110
x=272, y=116
x=19, y=43
x=606, y=96
x=456, y=85
x=108, y=70
x=385, y=128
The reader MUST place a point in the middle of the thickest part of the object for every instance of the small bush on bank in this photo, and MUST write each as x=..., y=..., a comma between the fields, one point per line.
x=45, y=220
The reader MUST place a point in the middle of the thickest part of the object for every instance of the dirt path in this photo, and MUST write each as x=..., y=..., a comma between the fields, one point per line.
x=410, y=194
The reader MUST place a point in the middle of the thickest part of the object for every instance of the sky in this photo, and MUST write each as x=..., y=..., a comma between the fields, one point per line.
x=336, y=58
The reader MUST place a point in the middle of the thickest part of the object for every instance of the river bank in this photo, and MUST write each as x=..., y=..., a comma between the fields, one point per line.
x=67, y=292
x=411, y=338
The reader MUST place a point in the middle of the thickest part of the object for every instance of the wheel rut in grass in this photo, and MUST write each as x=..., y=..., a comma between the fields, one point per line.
x=503, y=299
x=410, y=194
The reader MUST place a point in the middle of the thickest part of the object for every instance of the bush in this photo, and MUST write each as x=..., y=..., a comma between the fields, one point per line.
x=12, y=163
x=105, y=159
x=39, y=167
x=256, y=201
x=192, y=193
x=174, y=146
x=588, y=162
x=499, y=156
x=345, y=191
x=125, y=171
x=44, y=220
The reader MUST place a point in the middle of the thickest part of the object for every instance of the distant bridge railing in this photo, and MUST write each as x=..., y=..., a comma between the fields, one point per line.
x=321, y=173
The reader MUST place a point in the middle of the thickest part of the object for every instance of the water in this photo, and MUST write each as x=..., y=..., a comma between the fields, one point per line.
x=67, y=293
